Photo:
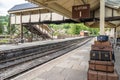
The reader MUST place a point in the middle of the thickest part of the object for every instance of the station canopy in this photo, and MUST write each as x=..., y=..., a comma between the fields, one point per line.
x=64, y=7
x=113, y=3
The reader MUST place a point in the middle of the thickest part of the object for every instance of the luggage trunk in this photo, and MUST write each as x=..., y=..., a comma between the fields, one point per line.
x=106, y=56
x=102, y=38
x=94, y=55
x=107, y=43
x=98, y=75
x=112, y=76
x=106, y=66
x=102, y=76
x=101, y=55
x=92, y=75
x=101, y=47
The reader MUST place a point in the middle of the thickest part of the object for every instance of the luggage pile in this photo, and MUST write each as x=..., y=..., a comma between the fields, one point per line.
x=101, y=64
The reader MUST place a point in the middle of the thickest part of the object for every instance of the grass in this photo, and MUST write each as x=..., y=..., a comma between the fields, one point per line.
x=2, y=41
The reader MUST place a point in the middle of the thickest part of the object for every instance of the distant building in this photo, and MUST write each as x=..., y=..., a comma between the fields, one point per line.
x=34, y=18
x=84, y=33
x=32, y=13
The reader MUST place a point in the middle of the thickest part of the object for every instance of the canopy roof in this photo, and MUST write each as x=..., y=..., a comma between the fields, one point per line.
x=113, y=4
x=26, y=8
x=23, y=7
x=64, y=7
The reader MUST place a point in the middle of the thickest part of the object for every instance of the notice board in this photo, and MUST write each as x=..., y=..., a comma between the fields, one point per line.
x=81, y=11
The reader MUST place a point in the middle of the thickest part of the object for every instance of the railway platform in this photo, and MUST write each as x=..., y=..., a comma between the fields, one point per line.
x=18, y=59
x=71, y=66
x=22, y=45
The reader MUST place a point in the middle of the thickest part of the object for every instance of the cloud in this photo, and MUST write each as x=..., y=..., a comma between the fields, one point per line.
x=1, y=4
x=5, y=5
x=114, y=0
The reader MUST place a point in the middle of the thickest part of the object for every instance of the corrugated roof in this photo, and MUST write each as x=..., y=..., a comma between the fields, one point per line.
x=23, y=7
x=113, y=3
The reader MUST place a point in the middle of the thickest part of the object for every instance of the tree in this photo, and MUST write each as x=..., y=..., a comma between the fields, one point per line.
x=66, y=26
x=1, y=28
x=74, y=29
x=4, y=25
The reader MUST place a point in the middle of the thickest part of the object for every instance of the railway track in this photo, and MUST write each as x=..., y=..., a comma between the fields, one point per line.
x=26, y=62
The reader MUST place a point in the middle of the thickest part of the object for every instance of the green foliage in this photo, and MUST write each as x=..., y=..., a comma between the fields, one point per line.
x=4, y=25
x=66, y=26
x=73, y=29
x=27, y=33
x=1, y=28
x=13, y=29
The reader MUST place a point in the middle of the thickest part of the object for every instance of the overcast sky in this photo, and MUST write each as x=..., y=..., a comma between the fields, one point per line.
x=5, y=5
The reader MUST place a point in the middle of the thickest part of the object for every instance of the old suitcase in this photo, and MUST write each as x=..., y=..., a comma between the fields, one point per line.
x=92, y=75
x=102, y=75
x=106, y=56
x=101, y=55
x=112, y=76
x=102, y=48
x=110, y=66
x=102, y=38
x=107, y=43
x=94, y=55
x=106, y=66
x=92, y=65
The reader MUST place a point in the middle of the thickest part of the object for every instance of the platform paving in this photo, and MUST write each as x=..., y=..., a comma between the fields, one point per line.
x=71, y=66
x=117, y=61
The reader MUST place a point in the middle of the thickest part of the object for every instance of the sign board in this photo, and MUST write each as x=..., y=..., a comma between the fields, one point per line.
x=81, y=11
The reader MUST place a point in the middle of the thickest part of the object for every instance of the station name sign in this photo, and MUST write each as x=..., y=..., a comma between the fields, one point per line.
x=81, y=11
